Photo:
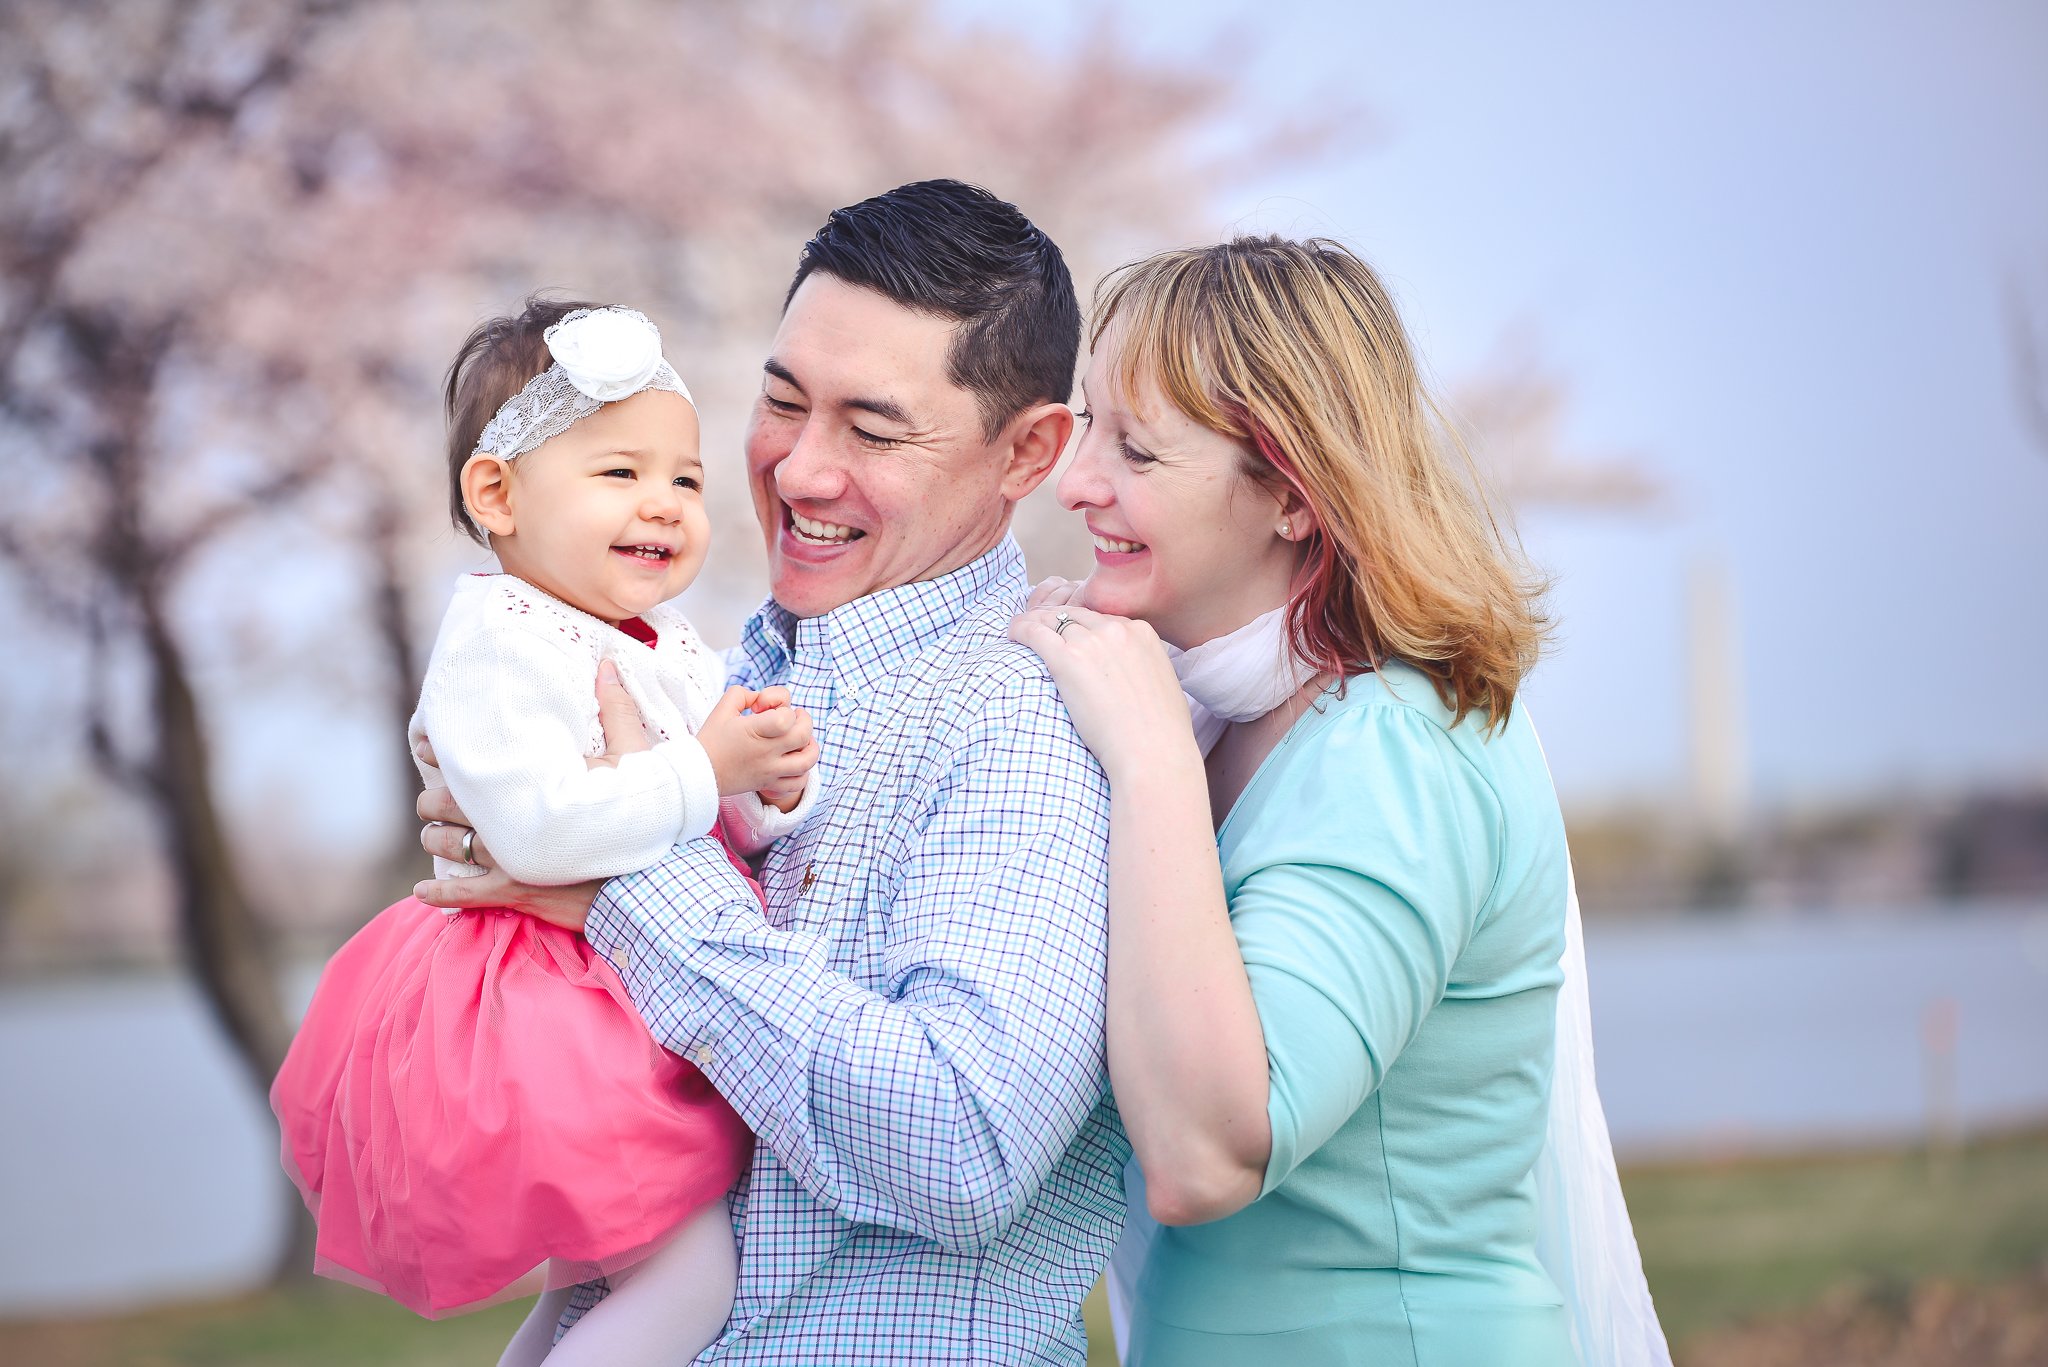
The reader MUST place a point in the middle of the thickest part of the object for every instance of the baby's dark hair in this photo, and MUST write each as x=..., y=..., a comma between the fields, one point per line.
x=495, y=362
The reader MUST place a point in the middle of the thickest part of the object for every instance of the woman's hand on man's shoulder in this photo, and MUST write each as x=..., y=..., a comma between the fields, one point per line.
x=1116, y=680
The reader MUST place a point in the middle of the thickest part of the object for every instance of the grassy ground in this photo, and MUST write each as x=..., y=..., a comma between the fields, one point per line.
x=1722, y=1243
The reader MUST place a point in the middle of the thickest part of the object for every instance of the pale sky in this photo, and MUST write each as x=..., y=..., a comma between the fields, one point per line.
x=1766, y=245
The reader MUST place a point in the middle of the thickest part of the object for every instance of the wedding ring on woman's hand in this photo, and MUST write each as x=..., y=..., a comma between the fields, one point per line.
x=469, y=845
x=1061, y=622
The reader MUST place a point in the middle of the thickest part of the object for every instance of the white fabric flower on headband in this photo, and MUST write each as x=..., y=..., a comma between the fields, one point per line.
x=608, y=354
x=601, y=356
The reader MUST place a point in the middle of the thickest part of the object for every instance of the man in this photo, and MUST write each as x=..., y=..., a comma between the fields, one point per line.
x=914, y=1030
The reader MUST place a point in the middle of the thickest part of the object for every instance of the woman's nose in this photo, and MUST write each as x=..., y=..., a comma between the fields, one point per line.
x=1083, y=484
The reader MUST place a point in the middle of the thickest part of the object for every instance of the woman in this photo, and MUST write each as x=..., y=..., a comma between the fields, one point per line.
x=1335, y=938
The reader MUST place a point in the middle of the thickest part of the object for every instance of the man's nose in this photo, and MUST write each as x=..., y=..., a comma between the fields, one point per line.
x=812, y=470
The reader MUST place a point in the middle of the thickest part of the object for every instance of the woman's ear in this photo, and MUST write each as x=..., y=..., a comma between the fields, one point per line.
x=1296, y=521
x=487, y=492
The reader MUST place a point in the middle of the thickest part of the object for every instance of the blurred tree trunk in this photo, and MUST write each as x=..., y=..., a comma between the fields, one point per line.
x=387, y=529
x=170, y=770
x=225, y=944
x=222, y=939
x=239, y=239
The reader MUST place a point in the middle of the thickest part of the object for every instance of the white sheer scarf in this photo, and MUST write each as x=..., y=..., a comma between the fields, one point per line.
x=1584, y=1238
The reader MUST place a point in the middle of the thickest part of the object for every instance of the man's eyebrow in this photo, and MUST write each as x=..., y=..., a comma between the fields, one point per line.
x=886, y=409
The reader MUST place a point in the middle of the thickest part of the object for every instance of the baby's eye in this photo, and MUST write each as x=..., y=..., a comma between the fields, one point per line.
x=620, y=474
x=688, y=482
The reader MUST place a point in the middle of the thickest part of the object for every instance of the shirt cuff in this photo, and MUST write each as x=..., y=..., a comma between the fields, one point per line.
x=649, y=924
x=698, y=784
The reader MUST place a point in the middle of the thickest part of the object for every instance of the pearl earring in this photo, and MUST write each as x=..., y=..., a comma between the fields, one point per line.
x=1286, y=529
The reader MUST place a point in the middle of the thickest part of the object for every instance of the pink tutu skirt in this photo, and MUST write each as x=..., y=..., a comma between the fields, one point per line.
x=473, y=1097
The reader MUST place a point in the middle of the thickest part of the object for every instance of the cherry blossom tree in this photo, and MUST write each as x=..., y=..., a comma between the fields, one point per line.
x=240, y=237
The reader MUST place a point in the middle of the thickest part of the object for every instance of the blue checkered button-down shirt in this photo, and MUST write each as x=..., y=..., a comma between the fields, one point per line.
x=915, y=1029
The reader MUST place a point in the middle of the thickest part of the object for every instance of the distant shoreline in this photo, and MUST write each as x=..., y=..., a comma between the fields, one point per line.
x=305, y=949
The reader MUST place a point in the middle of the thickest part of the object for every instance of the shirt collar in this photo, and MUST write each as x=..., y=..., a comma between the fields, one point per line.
x=859, y=642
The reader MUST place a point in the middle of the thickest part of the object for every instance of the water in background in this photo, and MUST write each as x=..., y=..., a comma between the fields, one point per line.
x=138, y=1164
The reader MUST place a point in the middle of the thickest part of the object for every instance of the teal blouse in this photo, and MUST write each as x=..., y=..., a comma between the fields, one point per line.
x=1397, y=886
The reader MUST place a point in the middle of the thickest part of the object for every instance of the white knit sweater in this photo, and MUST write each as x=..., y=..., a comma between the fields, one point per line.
x=510, y=704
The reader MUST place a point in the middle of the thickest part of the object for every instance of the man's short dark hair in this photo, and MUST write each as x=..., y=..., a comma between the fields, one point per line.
x=954, y=250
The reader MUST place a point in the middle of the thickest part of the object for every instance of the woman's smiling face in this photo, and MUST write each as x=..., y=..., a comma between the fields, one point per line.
x=1185, y=539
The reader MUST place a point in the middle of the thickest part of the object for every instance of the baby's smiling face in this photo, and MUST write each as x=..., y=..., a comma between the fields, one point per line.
x=609, y=516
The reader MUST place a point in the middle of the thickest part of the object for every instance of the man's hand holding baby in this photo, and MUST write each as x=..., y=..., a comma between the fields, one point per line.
x=757, y=742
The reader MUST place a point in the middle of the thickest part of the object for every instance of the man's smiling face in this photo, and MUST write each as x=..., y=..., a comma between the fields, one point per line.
x=869, y=466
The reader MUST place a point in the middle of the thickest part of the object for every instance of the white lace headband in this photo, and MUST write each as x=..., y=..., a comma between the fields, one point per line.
x=601, y=356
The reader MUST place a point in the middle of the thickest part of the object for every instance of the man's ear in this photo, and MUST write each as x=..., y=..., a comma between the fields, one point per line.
x=1037, y=436
x=487, y=492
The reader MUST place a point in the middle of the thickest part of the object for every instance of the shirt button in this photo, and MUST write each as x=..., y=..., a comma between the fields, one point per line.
x=701, y=1056
x=622, y=959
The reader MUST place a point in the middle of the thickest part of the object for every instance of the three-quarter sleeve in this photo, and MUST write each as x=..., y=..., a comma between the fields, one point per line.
x=1366, y=889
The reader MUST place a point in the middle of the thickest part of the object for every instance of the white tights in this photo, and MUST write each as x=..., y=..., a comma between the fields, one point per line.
x=661, y=1312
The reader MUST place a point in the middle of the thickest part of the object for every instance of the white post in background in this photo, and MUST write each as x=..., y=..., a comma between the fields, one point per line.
x=1720, y=739
x=1938, y=1022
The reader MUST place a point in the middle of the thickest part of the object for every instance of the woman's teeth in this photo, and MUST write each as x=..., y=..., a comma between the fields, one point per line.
x=1112, y=546
x=820, y=533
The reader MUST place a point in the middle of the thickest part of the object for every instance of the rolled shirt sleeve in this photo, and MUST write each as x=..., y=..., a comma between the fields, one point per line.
x=939, y=1100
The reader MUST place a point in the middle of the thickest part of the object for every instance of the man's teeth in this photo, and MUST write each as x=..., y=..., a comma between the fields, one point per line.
x=827, y=533
x=1114, y=547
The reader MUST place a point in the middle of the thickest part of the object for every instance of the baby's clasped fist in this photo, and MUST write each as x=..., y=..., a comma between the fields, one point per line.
x=760, y=743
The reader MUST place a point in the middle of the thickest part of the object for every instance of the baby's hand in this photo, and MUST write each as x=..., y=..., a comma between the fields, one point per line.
x=783, y=796
x=759, y=743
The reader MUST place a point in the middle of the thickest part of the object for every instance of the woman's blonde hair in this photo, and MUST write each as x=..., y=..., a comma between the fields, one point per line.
x=1295, y=349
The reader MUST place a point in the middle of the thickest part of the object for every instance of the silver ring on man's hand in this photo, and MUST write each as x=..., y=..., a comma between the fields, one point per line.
x=469, y=845
x=1060, y=623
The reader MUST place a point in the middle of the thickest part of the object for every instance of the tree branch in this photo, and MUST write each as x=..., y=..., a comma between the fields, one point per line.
x=35, y=575
x=37, y=266
x=124, y=772
x=279, y=488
